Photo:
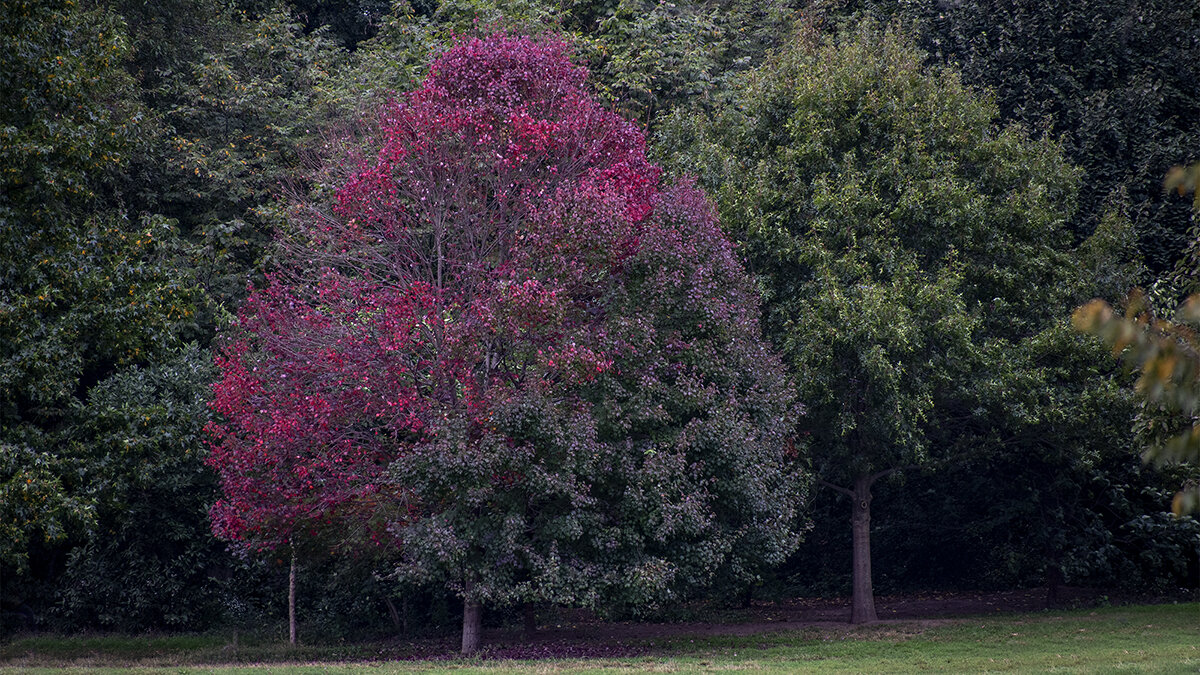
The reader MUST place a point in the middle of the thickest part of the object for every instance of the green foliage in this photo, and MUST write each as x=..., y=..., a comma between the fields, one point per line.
x=1060, y=497
x=69, y=119
x=84, y=291
x=394, y=61
x=348, y=22
x=1115, y=80
x=1109, y=262
x=138, y=443
x=95, y=297
x=914, y=254
x=646, y=57
x=119, y=496
x=239, y=115
x=1166, y=355
x=652, y=54
x=81, y=286
x=37, y=508
x=892, y=227
x=1184, y=280
x=915, y=259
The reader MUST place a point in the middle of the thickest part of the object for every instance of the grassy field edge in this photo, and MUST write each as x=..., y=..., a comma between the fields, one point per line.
x=1143, y=638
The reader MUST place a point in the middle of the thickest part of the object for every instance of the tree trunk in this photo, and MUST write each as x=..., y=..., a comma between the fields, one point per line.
x=472, y=624
x=1054, y=581
x=395, y=615
x=292, y=601
x=530, y=619
x=862, y=605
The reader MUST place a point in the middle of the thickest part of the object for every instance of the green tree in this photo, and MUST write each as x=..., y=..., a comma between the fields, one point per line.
x=1114, y=80
x=82, y=293
x=1054, y=494
x=238, y=113
x=89, y=287
x=647, y=57
x=1166, y=354
x=139, y=446
x=905, y=245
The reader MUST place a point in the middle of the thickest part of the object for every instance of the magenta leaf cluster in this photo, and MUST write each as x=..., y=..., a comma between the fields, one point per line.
x=511, y=360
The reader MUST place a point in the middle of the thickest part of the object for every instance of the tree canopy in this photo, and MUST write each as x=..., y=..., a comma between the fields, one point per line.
x=906, y=245
x=86, y=287
x=514, y=358
x=913, y=228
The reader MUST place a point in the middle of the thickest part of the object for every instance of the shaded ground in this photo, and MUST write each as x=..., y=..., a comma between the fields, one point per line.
x=574, y=634
x=580, y=634
x=1146, y=638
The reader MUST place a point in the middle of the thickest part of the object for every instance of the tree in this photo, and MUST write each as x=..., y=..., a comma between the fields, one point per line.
x=904, y=242
x=101, y=403
x=647, y=57
x=511, y=359
x=238, y=100
x=1114, y=80
x=86, y=290
x=1166, y=355
x=150, y=560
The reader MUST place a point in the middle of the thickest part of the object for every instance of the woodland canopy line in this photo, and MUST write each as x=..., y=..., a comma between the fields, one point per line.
x=382, y=318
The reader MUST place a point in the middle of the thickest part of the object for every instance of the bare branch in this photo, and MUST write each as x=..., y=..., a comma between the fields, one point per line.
x=838, y=488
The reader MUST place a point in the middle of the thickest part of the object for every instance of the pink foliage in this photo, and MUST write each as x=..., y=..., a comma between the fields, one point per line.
x=473, y=261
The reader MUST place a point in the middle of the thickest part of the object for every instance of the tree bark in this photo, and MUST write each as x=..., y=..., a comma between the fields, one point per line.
x=395, y=615
x=862, y=605
x=1054, y=581
x=530, y=619
x=292, y=601
x=472, y=625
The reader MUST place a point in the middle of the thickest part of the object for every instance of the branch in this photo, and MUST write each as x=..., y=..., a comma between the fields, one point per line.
x=839, y=488
x=887, y=472
x=978, y=450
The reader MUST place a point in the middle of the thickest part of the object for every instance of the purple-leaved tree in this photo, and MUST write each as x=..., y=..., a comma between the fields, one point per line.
x=512, y=360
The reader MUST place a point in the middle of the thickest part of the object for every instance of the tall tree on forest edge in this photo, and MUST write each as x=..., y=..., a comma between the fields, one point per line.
x=1165, y=352
x=86, y=290
x=513, y=359
x=902, y=240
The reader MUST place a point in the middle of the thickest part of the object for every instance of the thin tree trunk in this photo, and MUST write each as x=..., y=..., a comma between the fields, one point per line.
x=395, y=615
x=530, y=619
x=292, y=600
x=862, y=605
x=1054, y=580
x=472, y=623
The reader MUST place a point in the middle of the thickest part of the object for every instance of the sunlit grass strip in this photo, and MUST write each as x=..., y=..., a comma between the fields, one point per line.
x=1145, y=639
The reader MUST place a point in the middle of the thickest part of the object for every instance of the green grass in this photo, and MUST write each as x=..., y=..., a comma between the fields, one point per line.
x=1144, y=639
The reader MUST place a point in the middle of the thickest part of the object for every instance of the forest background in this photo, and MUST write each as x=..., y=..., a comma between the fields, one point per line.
x=150, y=151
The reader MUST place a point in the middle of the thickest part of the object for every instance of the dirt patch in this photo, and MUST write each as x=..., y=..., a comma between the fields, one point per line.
x=573, y=633
x=799, y=613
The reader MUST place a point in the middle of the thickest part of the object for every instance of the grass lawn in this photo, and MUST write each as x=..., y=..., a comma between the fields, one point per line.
x=1142, y=639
